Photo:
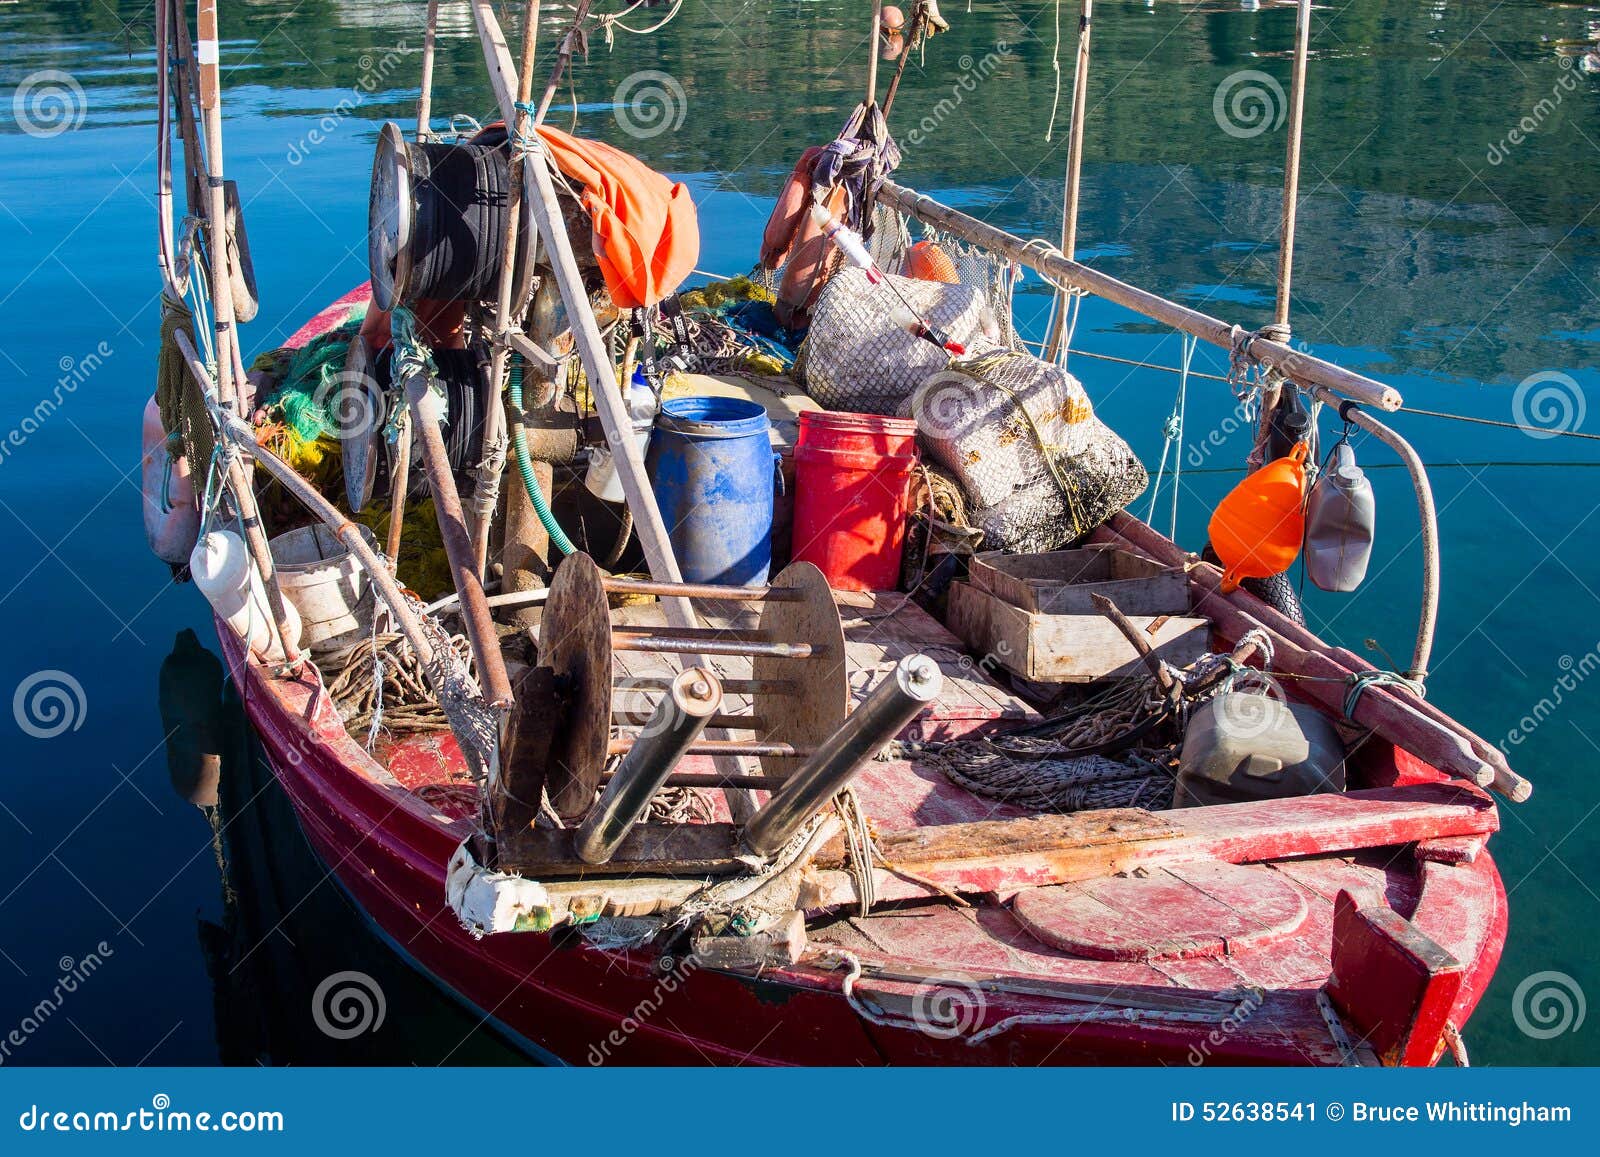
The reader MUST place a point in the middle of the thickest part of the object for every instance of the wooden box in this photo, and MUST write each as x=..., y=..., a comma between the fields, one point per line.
x=1061, y=581
x=1067, y=648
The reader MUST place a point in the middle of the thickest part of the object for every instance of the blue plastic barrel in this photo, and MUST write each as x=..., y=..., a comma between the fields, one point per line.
x=711, y=465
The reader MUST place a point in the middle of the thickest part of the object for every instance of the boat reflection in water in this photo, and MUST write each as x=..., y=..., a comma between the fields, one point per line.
x=298, y=976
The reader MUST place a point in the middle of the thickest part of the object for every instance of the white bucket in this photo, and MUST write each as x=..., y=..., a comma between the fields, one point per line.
x=327, y=585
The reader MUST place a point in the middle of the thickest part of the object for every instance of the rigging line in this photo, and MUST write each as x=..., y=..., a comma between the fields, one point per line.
x=1429, y=466
x=1536, y=431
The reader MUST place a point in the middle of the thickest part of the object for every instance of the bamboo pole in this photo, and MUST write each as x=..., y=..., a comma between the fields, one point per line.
x=399, y=484
x=425, y=97
x=1051, y=263
x=1069, y=208
x=872, y=51
x=563, y=58
x=1291, y=168
x=495, y=419
x=226, y=335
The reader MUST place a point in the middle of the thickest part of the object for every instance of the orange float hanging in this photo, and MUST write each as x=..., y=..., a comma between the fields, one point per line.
x=1258, y=528
x=927, y=262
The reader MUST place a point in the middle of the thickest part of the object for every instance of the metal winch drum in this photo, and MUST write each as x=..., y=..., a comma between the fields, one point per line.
x=437, y=218
x=800, y=727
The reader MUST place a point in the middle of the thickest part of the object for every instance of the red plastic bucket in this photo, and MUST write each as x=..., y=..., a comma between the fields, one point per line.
x=852, y=486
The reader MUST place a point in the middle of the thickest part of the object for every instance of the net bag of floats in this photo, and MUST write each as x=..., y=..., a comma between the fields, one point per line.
x=1019, y=434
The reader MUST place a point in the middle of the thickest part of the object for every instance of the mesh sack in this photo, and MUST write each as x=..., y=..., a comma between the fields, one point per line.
x=856, y=357
x=1020, y=436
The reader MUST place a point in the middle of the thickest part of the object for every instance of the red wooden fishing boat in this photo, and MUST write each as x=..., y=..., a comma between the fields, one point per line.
x=853, y=902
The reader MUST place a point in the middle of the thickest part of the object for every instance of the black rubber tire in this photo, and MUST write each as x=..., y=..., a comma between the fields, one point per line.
x=1277, y=592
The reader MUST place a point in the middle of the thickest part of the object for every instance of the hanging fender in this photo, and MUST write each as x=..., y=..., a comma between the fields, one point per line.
x=779, y=236
x=171, y=515
x=807, y=271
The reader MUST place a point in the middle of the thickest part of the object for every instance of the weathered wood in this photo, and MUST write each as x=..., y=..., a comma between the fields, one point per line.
x=513, y=801
x=1061, y=582
x=1391, y=712
x=647, y=850
x=1050, y=262
x=1392, y=983
x=1067, y=648
x=1006, y=856
x=781, y=944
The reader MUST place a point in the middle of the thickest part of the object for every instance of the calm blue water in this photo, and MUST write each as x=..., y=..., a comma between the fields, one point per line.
x=1448, y=244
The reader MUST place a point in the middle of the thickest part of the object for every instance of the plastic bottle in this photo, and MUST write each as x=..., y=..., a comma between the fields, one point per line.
x=1340, y=520
x=641, y=402
x=221, y=567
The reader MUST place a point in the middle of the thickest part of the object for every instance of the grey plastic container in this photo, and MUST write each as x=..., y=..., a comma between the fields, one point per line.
x=1244, y=745
x=1340, y=521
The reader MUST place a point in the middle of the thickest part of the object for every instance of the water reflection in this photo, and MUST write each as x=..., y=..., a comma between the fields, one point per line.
x=298, y=977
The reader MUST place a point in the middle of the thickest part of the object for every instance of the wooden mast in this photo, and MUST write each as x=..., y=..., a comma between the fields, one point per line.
x=1291, y=168
x=1069, y=208
x=207, y=53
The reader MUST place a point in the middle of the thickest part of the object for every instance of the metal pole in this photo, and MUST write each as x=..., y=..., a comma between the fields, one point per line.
x=913, y=684
x=1069, y=209
x=677, y=722
x=425, y=406
x=1291, y=169
x=425, y=98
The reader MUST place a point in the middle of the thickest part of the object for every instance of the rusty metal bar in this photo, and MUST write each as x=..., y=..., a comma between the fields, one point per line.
x=621, y=586
x=675, y=644
x=723, y=747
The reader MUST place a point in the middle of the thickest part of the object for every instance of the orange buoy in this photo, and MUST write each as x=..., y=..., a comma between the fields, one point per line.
x=1257, y=529
x=927, y=262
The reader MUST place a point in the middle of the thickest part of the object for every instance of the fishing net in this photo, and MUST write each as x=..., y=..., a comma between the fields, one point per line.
x=1018, y=434
x=858, y=358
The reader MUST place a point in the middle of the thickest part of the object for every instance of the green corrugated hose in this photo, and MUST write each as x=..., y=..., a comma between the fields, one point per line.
x=519, y=448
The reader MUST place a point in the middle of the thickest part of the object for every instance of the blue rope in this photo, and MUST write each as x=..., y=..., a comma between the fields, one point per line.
x=1361, y=680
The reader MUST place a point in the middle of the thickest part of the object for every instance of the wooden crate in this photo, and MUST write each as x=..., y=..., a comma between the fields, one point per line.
x=1067, y=648
x=1061, y=582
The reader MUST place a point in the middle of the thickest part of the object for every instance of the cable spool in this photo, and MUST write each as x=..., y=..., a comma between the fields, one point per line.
x=436, y=222
x=369, y=458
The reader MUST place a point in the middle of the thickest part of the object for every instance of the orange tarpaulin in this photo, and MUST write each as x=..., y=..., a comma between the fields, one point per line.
x=646, y=232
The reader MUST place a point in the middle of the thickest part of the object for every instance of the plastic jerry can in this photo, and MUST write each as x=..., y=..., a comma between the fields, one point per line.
x=1340, y=520
x=1245, y=745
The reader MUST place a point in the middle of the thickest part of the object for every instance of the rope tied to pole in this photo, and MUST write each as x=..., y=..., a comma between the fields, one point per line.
x=1360, y=680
